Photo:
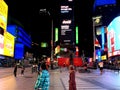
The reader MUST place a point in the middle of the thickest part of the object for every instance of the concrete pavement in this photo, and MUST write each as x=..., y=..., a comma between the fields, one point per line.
x=59, y=80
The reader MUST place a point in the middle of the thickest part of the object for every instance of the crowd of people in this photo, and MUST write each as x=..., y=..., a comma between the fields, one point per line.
x=43, y=79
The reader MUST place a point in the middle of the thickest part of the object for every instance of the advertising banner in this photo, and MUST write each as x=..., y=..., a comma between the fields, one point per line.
x=19, y=51
x=63, y=61
x=77, y=61
x=1, y=44
x=67, y=33
x=3, y=14
x=9, y=44
x=113, y=37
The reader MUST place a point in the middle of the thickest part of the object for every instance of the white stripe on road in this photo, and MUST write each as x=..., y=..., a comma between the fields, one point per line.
x=82, y=85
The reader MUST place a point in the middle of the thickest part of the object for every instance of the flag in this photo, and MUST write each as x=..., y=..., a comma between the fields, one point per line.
x=97, y=44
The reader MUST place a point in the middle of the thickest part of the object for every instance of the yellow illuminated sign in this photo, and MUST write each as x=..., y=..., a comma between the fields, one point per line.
x=3, y=14
x=104, y=57
x=9, y=44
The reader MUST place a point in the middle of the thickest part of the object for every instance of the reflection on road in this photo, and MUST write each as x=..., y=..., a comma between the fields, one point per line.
x=8, y=83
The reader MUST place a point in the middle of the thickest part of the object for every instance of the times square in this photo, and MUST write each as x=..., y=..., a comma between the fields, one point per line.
x=64, y=48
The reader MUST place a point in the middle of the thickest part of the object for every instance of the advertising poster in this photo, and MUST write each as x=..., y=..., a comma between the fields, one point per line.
x=3, y=14
x=1, y=44
x=113, y=37
x=67, y=33
x=9, y=44
x=19, y=51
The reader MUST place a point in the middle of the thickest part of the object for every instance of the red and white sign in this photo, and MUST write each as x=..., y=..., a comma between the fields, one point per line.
x=97, y=44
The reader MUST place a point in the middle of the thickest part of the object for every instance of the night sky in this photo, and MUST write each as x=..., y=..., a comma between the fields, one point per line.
x=39, y=25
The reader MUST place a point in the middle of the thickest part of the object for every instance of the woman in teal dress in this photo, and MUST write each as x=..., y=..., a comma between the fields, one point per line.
x=43, y=79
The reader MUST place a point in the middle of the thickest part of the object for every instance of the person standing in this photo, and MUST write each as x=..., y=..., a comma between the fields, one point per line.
x=43, y=79
x=15, y=70
x=85, y=67
x=101, y=67
x=72, y=82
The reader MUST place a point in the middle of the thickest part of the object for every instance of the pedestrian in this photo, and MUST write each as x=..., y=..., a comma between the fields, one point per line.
x=72, y=82
x=15, y=70
x=85, y=67
x=22, y=70
x=43, y=79
x=39, y=65
x=100, y=64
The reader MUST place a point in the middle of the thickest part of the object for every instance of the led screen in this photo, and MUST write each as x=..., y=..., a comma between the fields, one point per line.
x=21, y=35
x=8, y=44
x=113, y=37
x=67, y=35
x=19, y=51
x=100, y=34
x=23, y=42
x=1, y=44
x=44, y=44
x=11, y=29
x=25, y=38
x=104, y=2
x=3, y=14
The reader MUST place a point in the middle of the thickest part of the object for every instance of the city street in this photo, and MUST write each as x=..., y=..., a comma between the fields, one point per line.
x=59, y=80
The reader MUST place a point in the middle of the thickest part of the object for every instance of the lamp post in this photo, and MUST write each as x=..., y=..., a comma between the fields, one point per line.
x=96, y=22
x=47, y=12
x=93, y=38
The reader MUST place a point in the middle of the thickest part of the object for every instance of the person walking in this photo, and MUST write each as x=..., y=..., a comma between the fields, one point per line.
x=22, y=70
x=72, y=82
x=43, y=79
x=15, y=70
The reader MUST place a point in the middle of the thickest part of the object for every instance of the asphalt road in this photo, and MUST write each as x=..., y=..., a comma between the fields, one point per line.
x=59, y=80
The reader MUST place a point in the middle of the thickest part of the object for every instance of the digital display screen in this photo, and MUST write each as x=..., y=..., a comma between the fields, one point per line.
x=1, y=44
x=9, y=41
x=113, y=37
x=104, y=2
x=19, y=51
x=44, y=44
x=11, y=29
x=3, y=14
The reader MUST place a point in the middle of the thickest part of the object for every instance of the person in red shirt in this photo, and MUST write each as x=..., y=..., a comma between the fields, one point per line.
x=72, y=82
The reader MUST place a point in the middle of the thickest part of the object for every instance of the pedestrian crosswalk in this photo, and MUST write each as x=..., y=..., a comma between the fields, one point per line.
x=92, y=81
x=82, y=84
x=87, y=85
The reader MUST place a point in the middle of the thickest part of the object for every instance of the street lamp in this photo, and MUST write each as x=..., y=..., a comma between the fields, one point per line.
x=52, y=53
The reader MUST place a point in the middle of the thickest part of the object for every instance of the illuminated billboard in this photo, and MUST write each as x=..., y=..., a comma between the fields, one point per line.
x=44, y=44
x=103, y=2
x=1, y=44
x=3, y=14
x=67, y=33
x=100, y=34
x=19, y=51
x=113, y=37
x=9, y=44
x=12, y=29
x=20, y=34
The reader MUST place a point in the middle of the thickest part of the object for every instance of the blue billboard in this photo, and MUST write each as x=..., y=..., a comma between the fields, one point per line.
x=19, y=51
x=20, y=34
x=103, y=2
x=12, y=29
